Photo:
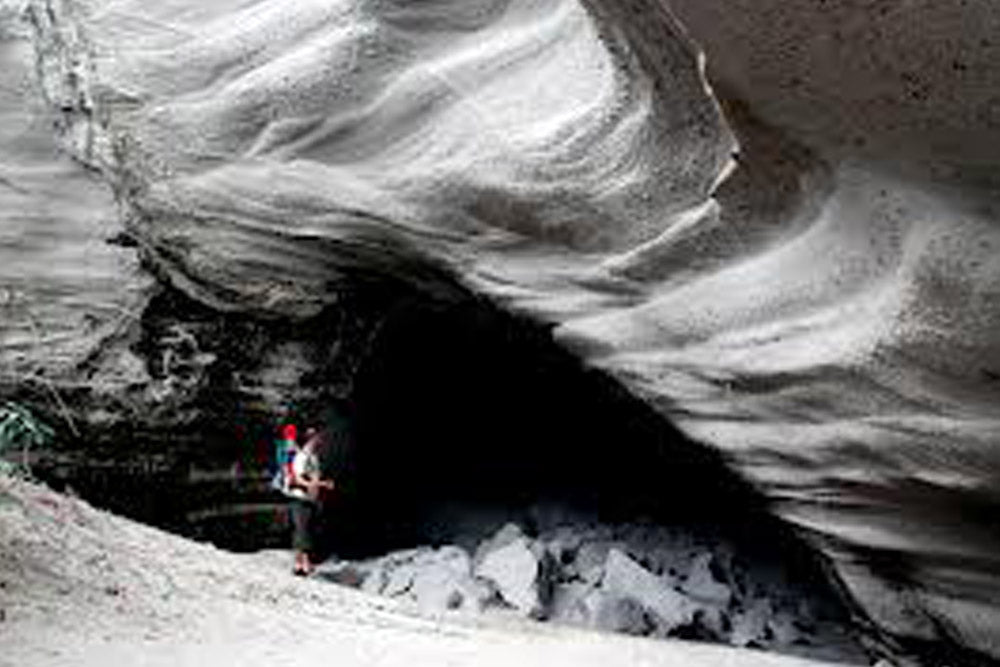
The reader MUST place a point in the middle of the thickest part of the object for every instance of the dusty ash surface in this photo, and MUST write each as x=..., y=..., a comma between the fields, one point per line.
x=80, y=586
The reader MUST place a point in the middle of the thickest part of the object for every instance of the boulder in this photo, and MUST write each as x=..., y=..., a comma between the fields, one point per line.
x=748, y=625
x=702, y=585
x=626, y=579
x=590, y=560
x=509, y=532
x=781, y=627
x=562, y=543
x=573, y=603
x=445, y=581
x=624, y=614
x=514, y=569
x=434, y=579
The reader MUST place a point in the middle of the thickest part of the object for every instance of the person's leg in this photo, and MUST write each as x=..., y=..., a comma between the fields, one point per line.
x=310, y=532
x=300, y=535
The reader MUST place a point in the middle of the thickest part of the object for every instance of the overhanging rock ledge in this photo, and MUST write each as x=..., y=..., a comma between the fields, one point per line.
x=820, y=299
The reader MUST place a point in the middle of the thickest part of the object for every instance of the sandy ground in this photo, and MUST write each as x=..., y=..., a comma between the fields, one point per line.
x=79, y=586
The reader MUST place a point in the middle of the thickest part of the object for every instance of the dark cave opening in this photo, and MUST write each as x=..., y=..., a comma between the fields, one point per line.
x=464, y=418
x=460, y=405
x=446, y=419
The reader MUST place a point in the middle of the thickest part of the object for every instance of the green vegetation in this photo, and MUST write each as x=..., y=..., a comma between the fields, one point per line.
x=19, y=432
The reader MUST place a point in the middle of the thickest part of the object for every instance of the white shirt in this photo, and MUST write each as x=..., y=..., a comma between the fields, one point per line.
x=305, y=463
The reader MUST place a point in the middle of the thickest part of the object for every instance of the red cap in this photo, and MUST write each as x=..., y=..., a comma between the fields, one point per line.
x=289, y=432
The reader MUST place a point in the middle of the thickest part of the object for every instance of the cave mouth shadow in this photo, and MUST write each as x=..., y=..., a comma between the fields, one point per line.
x=464, y=409
x=447, y=417
x=464, y=417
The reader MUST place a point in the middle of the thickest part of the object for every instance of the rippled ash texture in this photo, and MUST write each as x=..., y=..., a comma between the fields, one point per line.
x=824, y=308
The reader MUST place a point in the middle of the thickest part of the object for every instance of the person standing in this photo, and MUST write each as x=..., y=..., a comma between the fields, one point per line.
x=305, y=488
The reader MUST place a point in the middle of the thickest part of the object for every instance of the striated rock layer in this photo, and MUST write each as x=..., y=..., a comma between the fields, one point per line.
x=799, y=268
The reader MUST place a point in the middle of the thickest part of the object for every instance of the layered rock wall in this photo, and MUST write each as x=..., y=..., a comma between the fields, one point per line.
x=820, y=302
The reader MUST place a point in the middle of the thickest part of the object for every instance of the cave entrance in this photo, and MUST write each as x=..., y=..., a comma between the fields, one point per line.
x=463, y=419
x=447, y=415
x=461, y=410
x=448, y=419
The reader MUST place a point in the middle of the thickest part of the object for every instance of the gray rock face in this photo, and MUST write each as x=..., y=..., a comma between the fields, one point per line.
x=67, y=283
x=824, y=309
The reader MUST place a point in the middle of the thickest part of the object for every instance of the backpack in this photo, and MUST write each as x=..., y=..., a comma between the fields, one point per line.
x=285, y=449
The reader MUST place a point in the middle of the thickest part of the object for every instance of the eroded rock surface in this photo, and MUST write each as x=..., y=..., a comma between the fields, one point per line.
x=823, y=309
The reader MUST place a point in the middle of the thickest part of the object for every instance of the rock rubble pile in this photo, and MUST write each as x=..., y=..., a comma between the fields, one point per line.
x=636, y=579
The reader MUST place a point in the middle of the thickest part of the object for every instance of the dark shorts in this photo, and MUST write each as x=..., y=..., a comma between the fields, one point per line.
x=303, y=524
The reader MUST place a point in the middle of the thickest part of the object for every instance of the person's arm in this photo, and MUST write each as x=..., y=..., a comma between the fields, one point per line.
x=310, y=483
